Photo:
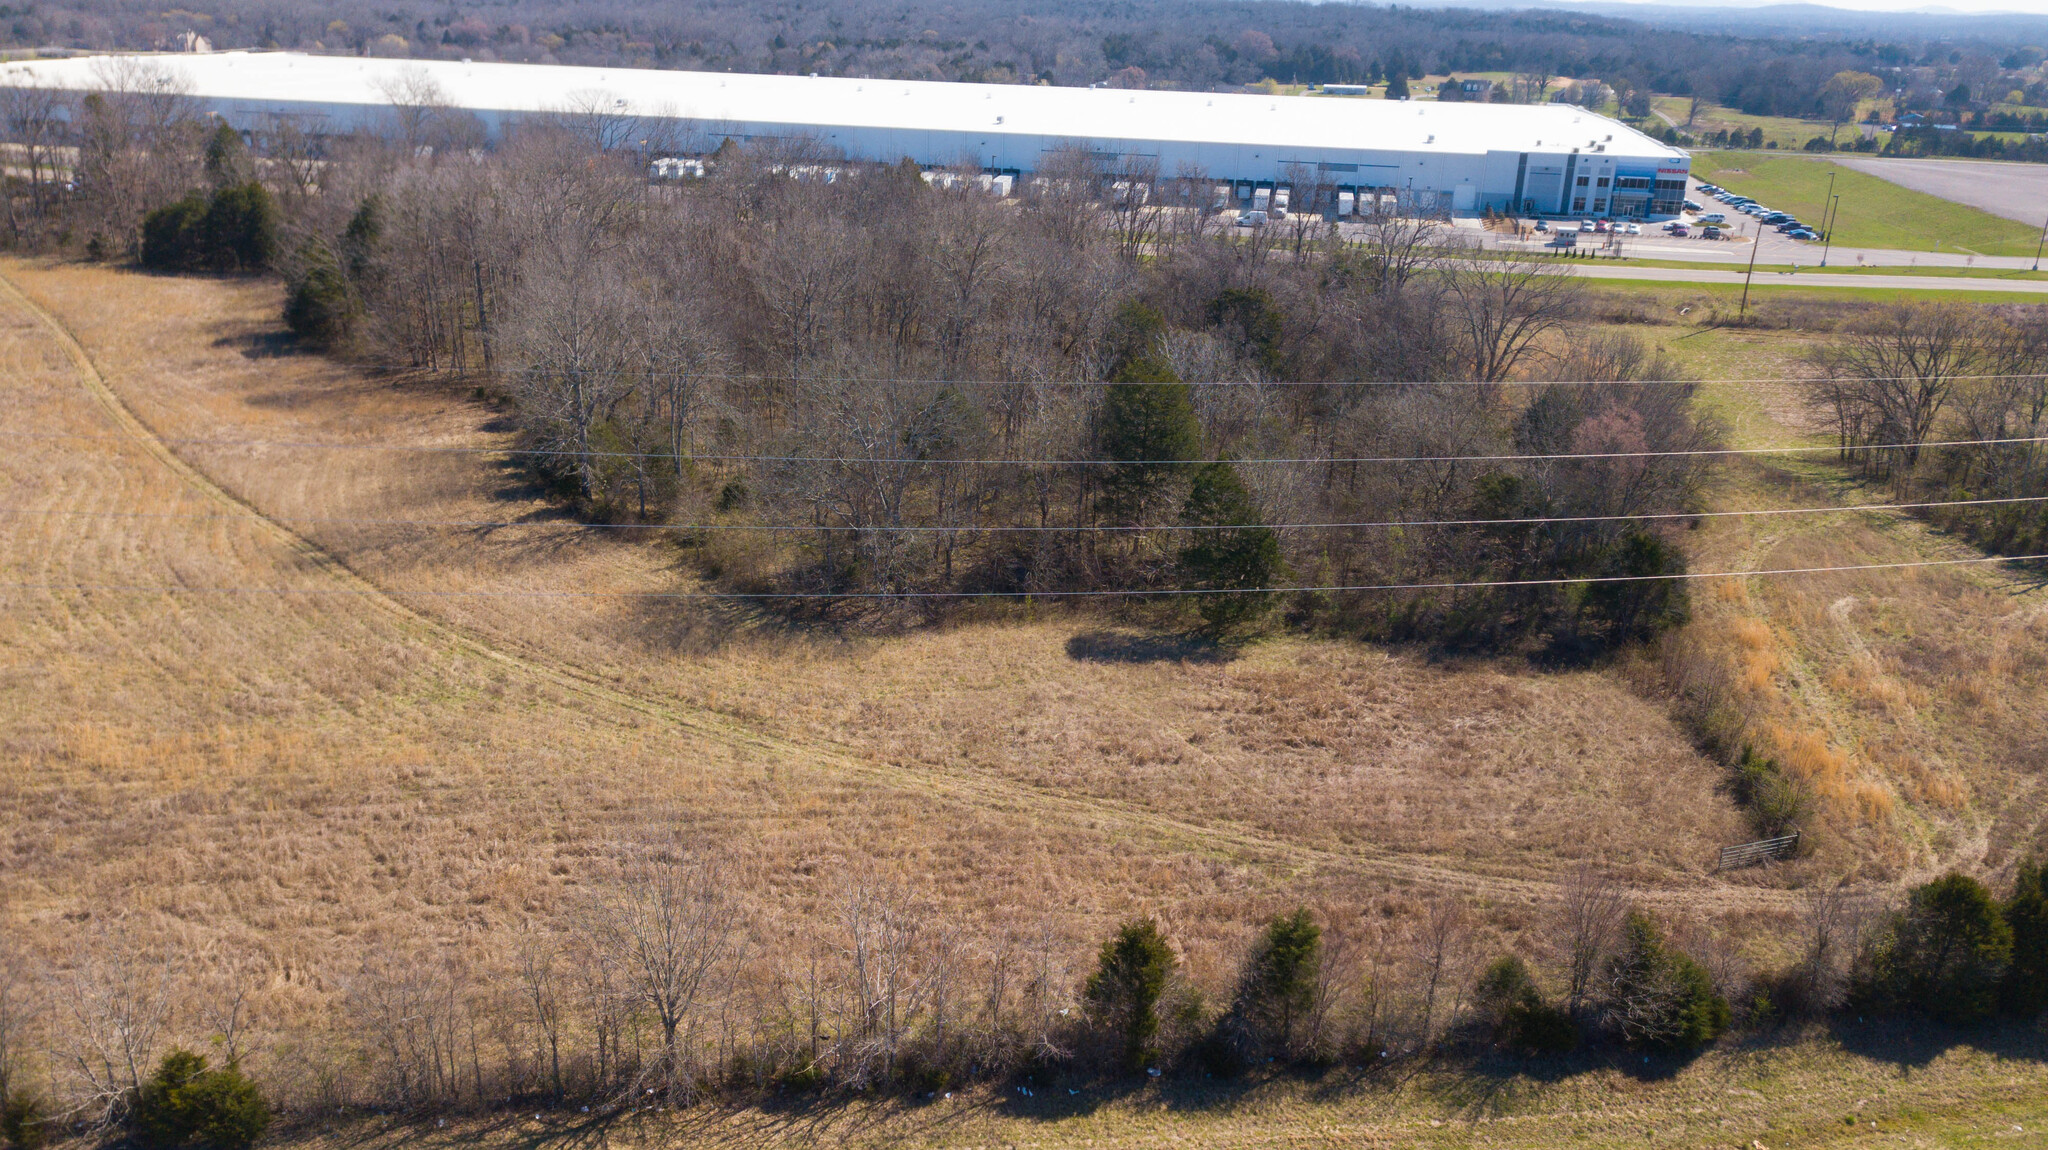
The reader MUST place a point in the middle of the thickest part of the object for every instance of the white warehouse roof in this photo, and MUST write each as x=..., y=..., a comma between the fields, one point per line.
x=1277, y=123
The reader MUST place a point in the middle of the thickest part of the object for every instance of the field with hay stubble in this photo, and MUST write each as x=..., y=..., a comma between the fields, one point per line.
x=297, y=783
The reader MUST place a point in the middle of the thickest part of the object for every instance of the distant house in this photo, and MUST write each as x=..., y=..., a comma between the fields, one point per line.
x=1477, y=91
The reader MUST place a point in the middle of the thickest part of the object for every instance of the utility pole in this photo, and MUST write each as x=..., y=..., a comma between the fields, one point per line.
x=1753, y=246
x=2038, y=243
x=1827, y=224
x=1824, y=196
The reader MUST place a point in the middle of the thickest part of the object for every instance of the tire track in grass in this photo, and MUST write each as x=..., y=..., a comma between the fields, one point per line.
x=1220, y=841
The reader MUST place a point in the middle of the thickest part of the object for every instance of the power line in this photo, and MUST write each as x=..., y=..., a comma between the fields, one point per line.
x=176, y=589
x=764, y=377
x=502, y=524
x=549, y=452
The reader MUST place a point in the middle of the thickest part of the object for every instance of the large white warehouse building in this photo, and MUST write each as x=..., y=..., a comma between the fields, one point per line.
x=1548, y=158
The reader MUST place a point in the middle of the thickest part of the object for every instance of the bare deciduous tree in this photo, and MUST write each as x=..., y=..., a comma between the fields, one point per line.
x=1889, y=383
x=1440, y=946
x=882, y=932
x=18, y=1010
x=1588, y=916
x=1832, y=922
x=118, y=1003
x=673, y=928
x=36, y=121
x=1503, y=309
x=540, y=977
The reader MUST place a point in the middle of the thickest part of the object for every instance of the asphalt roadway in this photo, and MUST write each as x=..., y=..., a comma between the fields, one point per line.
x=1812, y=279
x=2017, y=191
x=1776, y=249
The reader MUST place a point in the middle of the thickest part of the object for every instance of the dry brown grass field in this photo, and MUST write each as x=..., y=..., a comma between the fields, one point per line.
x=388, y=758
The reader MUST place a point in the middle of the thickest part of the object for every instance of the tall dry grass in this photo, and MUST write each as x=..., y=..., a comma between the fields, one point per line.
x=297, y=791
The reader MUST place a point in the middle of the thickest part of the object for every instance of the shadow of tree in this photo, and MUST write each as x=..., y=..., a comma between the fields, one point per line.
x=1914, y=1043
x=1135, y=647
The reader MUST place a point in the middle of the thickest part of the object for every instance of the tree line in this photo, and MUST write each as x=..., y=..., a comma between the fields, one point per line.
x=892, y=387
x=661, y=991
x=1915, y=374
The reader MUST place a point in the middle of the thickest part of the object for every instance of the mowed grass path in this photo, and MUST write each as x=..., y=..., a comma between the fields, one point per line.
x=1875, y=213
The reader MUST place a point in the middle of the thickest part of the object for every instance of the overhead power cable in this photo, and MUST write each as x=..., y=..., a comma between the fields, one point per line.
x=971, y=528
x=715, y=457
x=763, y=377
x=177, y=589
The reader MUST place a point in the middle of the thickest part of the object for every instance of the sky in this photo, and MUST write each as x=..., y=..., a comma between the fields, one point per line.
x=2030, y=7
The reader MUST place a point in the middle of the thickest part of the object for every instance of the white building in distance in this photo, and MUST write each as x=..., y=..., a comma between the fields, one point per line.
x=1551, y=159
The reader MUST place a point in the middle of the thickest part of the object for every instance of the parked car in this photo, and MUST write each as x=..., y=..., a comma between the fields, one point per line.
x=1710, y=232
x=1601, y=226
x=1680, y=231
x=1585, y=225
x=1692, y=205
x=1674, y=225
x=1542, y=225
x=1803, y=234
x=1713, y=218
x=1633, y=229
x=1251, y=219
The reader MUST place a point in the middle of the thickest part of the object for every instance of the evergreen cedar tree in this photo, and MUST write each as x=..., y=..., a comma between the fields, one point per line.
x=1278, y=989
x=320, y=309
x=2026, y=915
x=1946, y=955
x=1248, y=319
x=227, y=159
x=233, y=230
x=1658, y=997
x=326, y=292
x=1147, y=425
x=1641, y=596
x=1123, y=994
x=1237, y=563
x=23, y=1124
x=184, y=1104
x=1507, y=997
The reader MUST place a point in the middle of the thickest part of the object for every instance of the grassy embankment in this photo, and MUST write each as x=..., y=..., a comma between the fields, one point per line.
x=1789, y=133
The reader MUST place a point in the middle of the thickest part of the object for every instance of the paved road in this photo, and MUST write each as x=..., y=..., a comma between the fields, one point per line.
x=1778, y=250
x=1807, y=279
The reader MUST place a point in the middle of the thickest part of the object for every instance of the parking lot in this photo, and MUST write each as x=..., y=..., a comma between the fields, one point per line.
x=1741, y=236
